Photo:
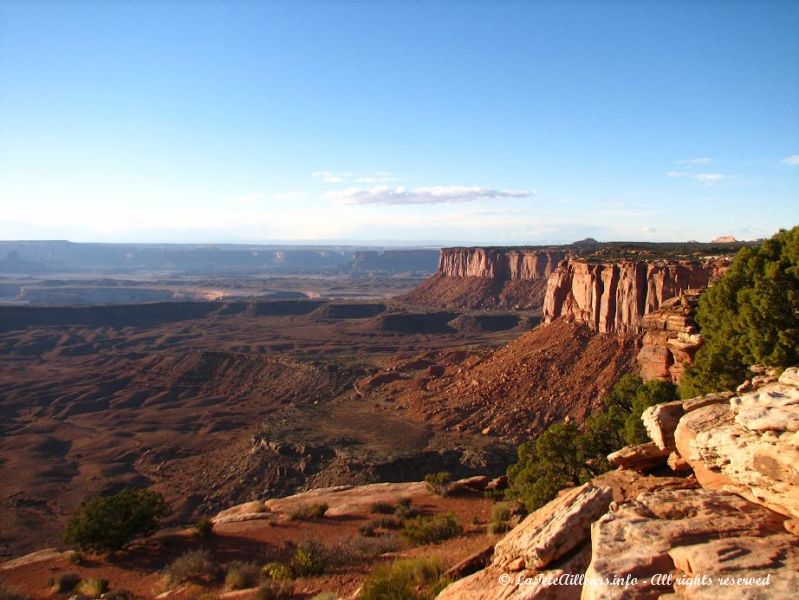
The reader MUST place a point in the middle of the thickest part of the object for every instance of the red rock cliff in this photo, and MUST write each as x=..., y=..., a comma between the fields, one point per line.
x=502, y=264
x=615, y=296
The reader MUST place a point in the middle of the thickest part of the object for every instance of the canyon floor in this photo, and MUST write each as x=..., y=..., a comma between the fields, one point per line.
x=219, y=402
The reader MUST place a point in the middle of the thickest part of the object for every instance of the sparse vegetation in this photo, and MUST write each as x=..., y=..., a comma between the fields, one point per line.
x=64, y=582
x=565, y=455
x=310, y=558
x=387, y=523
x=277, y=570
x=383, y=508
x=308, y=512
x=205, y=527
x=439, y=483
x=501, y=514
x=750, y=316
x=356, y=550
x=93, y=588
x=407, y=579
x=432, y=529
x=195, y=566
x=242, y=575
x=275, y=590
x=325, y=596
x=109, y=523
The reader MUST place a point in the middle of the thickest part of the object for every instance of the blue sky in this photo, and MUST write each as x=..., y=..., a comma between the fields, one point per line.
x=435, y=122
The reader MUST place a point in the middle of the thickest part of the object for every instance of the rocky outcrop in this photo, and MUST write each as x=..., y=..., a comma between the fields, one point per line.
x=640, y=457
x=499, y=263
x=616, y=296
x=708, y=533
x=671, y=338
x=750, y=445
x=557, y=531
x=661, y=537
x=489, y=278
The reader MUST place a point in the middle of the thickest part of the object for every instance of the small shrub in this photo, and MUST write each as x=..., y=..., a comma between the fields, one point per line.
x=408, y=579
x=205, y=527
x=194, y=565
x=382, y=508
x=93, y=588
x=429, y=530
x=406, y=502
x=310, y=558
x=501, y=513
x=357, y=550
x=494, y=495
x=275, y=590
x=76, y=558
x=367, y=530
x=277, y=571
x=498, y=527
x=309, y=512
x=64, y=582
x=387, y=523
x=406, y=511
x=242, y=575
x=109, y=523
x=439, y=483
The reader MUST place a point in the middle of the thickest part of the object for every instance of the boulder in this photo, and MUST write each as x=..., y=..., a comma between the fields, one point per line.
x=555, y=529
x=477, y=483
x=350, y=499
x=750, y=446
x=639, y=538
x=640, y=457
x=555, y=533
x=248, y=511
x=660, y=422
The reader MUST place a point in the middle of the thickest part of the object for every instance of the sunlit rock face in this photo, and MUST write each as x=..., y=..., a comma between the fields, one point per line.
x=501, y=264
x=615, y=297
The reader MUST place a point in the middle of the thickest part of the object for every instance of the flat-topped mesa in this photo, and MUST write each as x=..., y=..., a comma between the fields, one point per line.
x=500, y=264
x=614, y=297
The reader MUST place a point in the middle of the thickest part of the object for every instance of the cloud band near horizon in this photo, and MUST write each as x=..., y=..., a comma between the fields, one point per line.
x=423, y=195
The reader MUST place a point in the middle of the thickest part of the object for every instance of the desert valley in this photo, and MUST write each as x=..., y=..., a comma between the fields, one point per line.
x=320, y=393
x=347, y=300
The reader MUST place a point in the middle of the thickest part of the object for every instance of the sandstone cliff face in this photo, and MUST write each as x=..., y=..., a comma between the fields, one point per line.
x=615, y=297
x=509, y=265
x=489, y=278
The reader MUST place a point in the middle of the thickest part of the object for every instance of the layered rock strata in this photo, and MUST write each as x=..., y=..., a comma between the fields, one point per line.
x=749, y=445
x=671, y=338
x=501, y=264
x=615, y=297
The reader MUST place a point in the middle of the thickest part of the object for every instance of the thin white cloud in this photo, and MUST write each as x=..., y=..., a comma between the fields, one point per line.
x=707, y=179
x=792, y=160
x=289, y=196
x=702, y=160
x=425, y=195
x=330, y=176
